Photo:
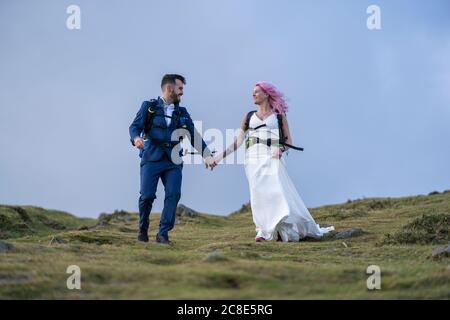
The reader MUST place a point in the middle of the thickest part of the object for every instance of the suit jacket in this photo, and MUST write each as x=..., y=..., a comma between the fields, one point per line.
x=162, y=139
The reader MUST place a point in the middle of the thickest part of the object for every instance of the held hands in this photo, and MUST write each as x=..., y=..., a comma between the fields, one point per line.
x=210, y=162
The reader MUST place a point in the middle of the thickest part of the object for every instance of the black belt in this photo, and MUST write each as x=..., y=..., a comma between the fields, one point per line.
x=165, y=144
x=253, y=140
x=269, y=142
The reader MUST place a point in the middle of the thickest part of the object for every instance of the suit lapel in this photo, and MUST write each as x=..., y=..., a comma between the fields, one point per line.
x=175, y=112
x=162, y=119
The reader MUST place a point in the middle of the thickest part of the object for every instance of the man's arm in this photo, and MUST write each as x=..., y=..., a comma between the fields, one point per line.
x=138, y=124
x=196, y=139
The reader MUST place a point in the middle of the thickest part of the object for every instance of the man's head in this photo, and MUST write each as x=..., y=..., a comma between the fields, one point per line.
x=172, y=87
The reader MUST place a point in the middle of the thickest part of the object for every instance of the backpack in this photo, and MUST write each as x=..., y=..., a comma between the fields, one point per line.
x=282, y=137
x=151, y=114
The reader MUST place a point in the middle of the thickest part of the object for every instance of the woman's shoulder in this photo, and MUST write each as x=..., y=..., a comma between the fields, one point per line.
x=248, y=115
x=246, y=118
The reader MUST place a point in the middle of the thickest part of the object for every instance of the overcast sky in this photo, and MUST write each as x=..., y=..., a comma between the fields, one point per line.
x=370, y=107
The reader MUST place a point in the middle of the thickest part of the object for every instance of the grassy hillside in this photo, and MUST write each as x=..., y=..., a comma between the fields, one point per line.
x=216, y=257
x=17, y=221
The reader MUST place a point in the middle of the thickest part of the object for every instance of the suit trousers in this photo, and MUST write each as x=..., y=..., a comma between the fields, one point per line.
x=171, y=177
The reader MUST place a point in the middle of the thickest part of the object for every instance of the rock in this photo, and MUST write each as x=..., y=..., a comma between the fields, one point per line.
x=246, y=207
x=125, y=218
x=356, y=232
x=440, y=252
x=103, y=223
x=183, y=211
x=117, y=216
x=5, y=246
x=214, y=256
x=57, y=240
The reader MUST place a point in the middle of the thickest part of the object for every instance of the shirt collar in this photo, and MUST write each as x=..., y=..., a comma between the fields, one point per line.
x=169, y=106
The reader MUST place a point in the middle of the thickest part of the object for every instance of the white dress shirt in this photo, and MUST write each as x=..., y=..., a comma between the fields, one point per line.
x=168, y=110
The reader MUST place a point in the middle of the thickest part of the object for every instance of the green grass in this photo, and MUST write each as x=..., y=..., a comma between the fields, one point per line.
x=115, y=266
x=17, y=221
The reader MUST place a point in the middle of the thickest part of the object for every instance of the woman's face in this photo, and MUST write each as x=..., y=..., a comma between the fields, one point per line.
x=259, y=96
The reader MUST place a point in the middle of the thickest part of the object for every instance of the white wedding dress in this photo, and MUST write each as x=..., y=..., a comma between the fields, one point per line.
x=275, y=203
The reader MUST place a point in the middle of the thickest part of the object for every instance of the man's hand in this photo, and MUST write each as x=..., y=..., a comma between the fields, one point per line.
x=209, y=161
x=139, y=143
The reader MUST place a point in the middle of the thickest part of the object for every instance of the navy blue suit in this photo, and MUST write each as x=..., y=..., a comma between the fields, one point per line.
x=161, y=159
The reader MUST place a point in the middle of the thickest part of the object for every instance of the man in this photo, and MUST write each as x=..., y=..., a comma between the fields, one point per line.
x=153, y=131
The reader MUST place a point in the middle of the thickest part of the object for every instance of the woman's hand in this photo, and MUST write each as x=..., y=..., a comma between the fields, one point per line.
x=218, y=158
x=210, y=162
x=277, y=154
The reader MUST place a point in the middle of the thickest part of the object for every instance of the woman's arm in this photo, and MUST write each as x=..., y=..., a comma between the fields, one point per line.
x=286, y=131
x=237, y=141
x=287, y=135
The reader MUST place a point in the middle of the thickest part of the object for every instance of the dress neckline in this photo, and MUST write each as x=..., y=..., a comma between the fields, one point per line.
x=265, y=118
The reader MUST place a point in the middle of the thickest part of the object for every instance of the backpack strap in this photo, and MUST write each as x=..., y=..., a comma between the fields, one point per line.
x=176, y=118
x=258, y=127
x=247, y=120
x=282, y=136
x=280, y=128
x=151, y=111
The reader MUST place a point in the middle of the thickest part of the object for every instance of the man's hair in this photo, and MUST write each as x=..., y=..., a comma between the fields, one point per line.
x=170, y=78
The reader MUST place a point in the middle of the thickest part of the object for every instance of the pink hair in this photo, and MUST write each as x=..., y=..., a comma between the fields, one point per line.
x=276, y=97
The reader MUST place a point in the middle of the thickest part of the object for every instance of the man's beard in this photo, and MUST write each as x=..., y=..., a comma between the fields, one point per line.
x=175, y=98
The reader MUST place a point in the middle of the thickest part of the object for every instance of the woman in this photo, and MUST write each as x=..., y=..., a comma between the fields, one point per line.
x=278, y=211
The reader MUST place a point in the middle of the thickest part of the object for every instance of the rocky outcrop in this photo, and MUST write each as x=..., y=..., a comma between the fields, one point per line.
x=183, y=211
x=440, y=252
x=351, y=233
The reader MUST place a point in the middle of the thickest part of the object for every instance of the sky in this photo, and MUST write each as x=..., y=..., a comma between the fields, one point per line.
x=370, y=107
